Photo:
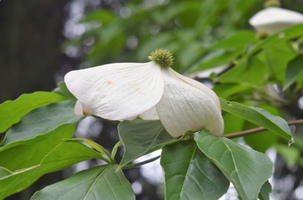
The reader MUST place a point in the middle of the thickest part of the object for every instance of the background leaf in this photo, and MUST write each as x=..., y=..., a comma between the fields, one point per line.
x=189, y=174
x=245, y=168
x=11, y=111
x=63, y=155
x=282, y=36
x=258, y=116
x=238, y=40
x=229, y=90
x=232, y=123
x=290, y=154
x=276, y=57
x=294, y=71
x=261, y=141
x=216, y=58
x=250, y=72
x=93, y=184
x=40, y=124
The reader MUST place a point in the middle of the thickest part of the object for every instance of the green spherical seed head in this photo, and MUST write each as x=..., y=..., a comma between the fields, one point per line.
x=272, y=3
x=162, y=57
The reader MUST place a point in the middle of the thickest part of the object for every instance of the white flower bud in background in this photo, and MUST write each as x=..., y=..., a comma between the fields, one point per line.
x=274, y=19
x=153, y=90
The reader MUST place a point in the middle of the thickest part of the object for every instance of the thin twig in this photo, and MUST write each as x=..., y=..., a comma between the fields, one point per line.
x=256, y=130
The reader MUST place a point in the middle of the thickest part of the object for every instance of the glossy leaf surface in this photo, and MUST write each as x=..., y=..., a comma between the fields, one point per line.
x=189, y=174
x=63, y=155
x=258, y=116
x=247, y=169
x=140, y=136
x=11, y=111
x=40, y=124
x=98, y=183
x=25, y=156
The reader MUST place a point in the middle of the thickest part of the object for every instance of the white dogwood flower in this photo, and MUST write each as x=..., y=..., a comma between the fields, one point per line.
x=153, y=90
x=275, y=19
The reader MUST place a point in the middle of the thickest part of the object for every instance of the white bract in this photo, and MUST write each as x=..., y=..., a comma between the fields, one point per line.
x=125, y=90
x=274, y=19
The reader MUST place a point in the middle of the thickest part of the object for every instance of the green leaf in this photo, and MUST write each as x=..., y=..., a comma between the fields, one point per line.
x=150, y=45
x=248, y=73
x=232, y=123
x=93, y=184
x=216, y=58
x=258, y=116
x=290, y=154
x=298, y=139
x=294, y=71
x=102, y=16
x=63, y=155
x=25, y=156
x=63, y=91
x=189, y=174
x=263, y=140
x=93, y=144
x=140, y=136
x=276, y=57
x=115, y=148
x=282, y=36
x=99, y=148
x=40, y=124
x=264, y=192
x=230, y=89
x=11, y=111
x=178, y=10
x=4, y=172
x=245, y=168
x=238, y=40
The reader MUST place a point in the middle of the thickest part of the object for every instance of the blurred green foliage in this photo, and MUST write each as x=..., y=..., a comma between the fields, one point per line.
x=186, y=28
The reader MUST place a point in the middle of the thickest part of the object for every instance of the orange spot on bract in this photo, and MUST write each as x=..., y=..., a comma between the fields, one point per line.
x=109, y=83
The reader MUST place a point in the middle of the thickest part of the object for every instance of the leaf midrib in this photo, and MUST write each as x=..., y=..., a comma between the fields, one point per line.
x=187, y=172
x=93, y=184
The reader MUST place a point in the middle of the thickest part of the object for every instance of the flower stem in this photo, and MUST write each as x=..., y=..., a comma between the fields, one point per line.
x=256, y=130
x=115, y=148
x=141, y=163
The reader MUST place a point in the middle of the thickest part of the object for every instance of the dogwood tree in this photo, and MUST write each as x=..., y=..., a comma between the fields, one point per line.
x=253, y=74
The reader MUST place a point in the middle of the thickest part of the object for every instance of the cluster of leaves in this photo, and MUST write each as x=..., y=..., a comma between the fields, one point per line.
x=182, y=27
x=41, y=142
x=40, y=126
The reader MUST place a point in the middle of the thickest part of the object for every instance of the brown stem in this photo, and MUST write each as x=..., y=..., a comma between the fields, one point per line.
x=256, y=130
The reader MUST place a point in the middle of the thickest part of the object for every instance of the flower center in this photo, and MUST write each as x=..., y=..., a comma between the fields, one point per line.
x=162, y=57
x=262, y=34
